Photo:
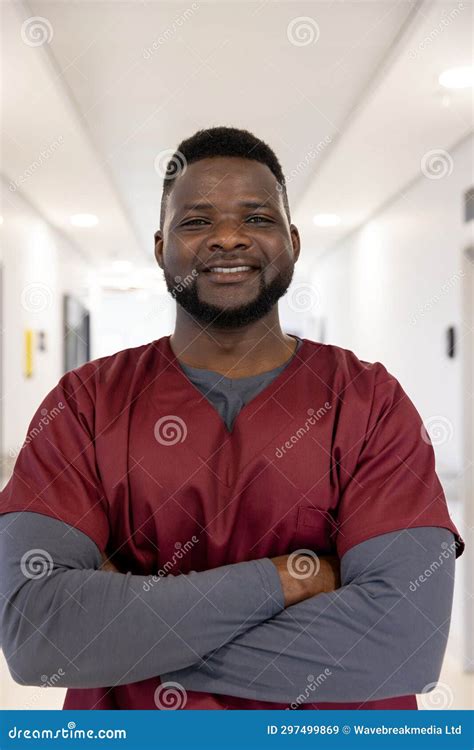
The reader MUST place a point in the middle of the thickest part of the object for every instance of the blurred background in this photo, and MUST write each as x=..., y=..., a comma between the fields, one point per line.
x=369, y=108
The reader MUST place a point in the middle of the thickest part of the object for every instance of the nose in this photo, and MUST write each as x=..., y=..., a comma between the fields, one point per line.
x=228, y=235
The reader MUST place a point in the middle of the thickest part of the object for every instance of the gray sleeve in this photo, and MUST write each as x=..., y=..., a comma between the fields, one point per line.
x=382, y=634
x=107, y=628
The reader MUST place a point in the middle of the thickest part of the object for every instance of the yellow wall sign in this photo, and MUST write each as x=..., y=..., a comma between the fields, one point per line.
x=28, y=353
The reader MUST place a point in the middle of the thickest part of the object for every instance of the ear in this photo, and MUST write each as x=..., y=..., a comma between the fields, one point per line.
x=295, y=241
x=159, y=248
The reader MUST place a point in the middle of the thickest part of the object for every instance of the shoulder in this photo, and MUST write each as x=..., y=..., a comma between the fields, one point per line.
x=347, y=370
x=112, y=371
x=368, y=394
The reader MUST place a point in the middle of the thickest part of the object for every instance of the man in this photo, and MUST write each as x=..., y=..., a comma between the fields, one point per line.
x=273, y=530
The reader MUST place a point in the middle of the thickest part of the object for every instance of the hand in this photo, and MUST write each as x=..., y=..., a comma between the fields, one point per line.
x=305, y=576
x=330, y=571
x=107, y=565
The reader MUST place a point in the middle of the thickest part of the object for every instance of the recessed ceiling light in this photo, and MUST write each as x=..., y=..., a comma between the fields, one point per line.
x=84, y=220
x=326, y=220
x=457, y=78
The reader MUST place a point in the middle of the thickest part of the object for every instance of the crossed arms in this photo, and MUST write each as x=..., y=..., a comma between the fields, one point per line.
x=250, y=629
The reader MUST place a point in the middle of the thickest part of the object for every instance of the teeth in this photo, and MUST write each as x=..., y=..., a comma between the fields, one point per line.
x=231, y=270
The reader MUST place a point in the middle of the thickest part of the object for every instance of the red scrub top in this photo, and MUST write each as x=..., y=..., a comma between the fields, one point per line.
x=126, y=449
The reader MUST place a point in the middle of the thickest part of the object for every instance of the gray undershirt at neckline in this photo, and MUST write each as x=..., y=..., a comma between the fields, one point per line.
x=229, y=395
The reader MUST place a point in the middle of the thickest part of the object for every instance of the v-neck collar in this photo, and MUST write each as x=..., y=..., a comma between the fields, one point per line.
x=229, y=395
x=174, y=361
x=257, y=402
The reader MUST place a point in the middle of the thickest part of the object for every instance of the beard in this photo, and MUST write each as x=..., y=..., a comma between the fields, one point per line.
x=187, y=297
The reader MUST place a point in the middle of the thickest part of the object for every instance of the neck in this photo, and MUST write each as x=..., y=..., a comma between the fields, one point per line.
x=238, y=352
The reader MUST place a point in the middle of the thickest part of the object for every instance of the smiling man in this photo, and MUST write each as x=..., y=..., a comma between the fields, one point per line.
x=236, y=574
x=235, y=289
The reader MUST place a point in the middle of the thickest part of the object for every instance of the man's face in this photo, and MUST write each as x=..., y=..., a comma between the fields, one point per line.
x=227, y=212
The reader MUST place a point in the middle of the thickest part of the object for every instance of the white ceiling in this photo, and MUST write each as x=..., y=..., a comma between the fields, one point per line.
x=120, y=82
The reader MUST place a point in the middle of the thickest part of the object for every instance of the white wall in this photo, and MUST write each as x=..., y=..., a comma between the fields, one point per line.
x=39, y=265
x=388, y=293
x=123, y=319
x=391, y=289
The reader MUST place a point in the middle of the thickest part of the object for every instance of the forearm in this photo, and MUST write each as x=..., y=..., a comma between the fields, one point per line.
x=373, y=638
x=105, y=627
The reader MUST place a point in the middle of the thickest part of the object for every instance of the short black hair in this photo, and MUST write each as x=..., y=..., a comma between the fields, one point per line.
x=221, y=141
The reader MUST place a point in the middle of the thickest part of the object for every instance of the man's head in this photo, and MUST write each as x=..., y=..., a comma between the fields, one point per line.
x=224, y=205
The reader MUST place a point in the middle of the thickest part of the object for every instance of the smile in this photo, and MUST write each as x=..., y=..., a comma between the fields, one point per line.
x=231, y=270
x=222, y=275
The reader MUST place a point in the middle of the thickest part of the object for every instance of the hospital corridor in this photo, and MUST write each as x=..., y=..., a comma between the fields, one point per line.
x=139, y=176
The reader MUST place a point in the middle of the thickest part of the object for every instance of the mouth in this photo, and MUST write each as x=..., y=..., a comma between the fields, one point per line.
x=230, y=275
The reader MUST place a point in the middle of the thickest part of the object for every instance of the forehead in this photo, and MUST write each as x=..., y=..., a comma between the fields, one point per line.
x=222, y=179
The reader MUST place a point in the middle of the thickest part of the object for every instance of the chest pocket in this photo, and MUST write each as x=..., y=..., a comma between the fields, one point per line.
x=316, y=529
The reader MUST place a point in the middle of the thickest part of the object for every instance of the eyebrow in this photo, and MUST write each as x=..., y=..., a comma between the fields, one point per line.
x=244, y=204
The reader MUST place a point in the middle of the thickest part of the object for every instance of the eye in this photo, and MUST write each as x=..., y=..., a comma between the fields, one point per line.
x=192, y=221
x=262, y=218
x=195, y=222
